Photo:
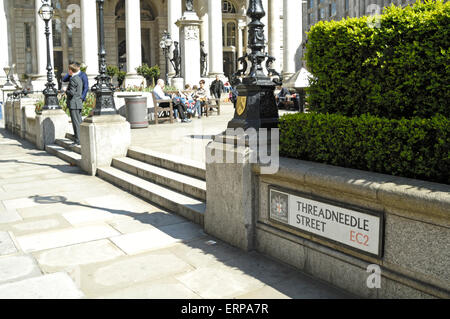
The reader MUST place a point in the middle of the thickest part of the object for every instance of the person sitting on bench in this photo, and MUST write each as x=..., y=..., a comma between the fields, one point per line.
x=160, y=95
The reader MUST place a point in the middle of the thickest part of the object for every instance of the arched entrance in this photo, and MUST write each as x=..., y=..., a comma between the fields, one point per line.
x=229, y=36
x=148, y=27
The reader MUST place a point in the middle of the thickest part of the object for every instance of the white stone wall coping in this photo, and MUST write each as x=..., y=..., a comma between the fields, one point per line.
x=412, y=195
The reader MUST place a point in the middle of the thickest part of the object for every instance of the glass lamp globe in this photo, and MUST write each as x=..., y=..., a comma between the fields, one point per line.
x=168, y=41
x=162, y=44
x=46, y=12
x=6, y=69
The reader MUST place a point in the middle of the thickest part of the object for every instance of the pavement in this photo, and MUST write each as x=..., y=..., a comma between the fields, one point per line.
x=187, y=140
x=65, y=235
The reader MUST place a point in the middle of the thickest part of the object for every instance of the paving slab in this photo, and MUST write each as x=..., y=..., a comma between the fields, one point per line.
x=130, y=271
x=9, y=216
x=168, y=288
x=52, y=286
x=205, y=251
x=298, y=286
x=65, y=237
x=77, y=255
x=17, y=267
x=7, y=246
x=219, y=281
x=136, y=243
x=29, y=227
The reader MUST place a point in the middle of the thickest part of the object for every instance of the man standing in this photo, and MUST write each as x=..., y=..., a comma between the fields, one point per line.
x=74, y=99
x=216, y=89
x=84, y=79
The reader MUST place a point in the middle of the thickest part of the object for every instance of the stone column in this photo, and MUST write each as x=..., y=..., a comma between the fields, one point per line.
x=174, y=13
x=275, y=32
x=215, y=38
x=40, y=78
x=134, y=48
x=189, y=26
x=89, y=38
x=4, y=53
x=204, y=28
x=292, y=40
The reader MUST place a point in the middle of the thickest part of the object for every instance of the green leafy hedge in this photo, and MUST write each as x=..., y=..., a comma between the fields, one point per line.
x=397, y=66
x=416, y=148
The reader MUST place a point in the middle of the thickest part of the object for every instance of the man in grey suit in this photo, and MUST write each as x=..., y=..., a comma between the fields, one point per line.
x=74, y=99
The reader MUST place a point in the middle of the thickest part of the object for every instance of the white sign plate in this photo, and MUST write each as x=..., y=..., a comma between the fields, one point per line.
x=342, y=225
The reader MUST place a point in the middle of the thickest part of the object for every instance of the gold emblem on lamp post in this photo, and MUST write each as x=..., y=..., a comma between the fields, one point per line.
x=241, y=104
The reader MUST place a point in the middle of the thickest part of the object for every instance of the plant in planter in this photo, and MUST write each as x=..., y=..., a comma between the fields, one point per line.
x=38, y=107
x=89, y=104
x=149, y=73
x=121, y=77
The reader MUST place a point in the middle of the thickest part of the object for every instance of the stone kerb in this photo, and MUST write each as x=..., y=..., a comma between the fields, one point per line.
x=415, y=258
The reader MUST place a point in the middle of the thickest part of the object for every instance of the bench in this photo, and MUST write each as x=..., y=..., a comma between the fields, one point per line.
x=159, y=111
x=208, y=105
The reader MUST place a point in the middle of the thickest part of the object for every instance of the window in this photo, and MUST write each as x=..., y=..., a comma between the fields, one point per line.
x=321, y=13
x=57, y=32
x=231, y=34
x=346, y=5
x=311, y=18
x=333, y=9
x=69, y=37
x=228, y=7
x=310, y=4
x=28, y=57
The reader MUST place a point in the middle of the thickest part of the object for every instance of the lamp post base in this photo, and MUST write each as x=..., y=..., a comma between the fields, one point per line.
x=256, y=106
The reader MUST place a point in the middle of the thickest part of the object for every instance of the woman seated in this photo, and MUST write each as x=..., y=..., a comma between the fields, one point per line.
x=201, y=97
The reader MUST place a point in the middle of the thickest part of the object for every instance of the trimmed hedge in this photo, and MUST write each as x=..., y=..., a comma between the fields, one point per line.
x=416, y=148
x=399, y=68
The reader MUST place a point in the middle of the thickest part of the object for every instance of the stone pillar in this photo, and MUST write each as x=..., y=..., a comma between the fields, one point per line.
x=204, y=29
x=134, y=48
x=231, y=192
x=240, y=39
x=275, y=32
x=50, y=126
x=215, y=38
x=292, y=40
x=103, y=138
x=40, y=78
x=174, y=13
x=4, y=53
x=189, y=27
x=89, y=38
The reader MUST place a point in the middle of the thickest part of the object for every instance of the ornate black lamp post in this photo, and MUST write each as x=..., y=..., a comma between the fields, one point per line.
x=50, y=92
x=165, y=45
x=256, y=106
x=104, y=90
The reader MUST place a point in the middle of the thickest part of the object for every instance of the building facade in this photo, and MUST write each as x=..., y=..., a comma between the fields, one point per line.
x=223, y=29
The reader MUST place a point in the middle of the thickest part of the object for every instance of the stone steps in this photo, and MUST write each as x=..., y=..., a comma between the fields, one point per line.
x=64, y=154
x=184, y=184
x=68, y=145
x=186, y=206
x=170, y=162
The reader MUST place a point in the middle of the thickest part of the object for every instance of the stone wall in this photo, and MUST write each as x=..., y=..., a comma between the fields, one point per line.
x=416, y=256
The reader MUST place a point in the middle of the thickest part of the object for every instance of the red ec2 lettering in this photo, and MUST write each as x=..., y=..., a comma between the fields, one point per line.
x=359, y=238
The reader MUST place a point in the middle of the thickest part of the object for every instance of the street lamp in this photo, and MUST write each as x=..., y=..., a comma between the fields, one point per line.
x=50, y=93
x=256, y=106
x=8, y=70
x=165, y=45
x=104, y=90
